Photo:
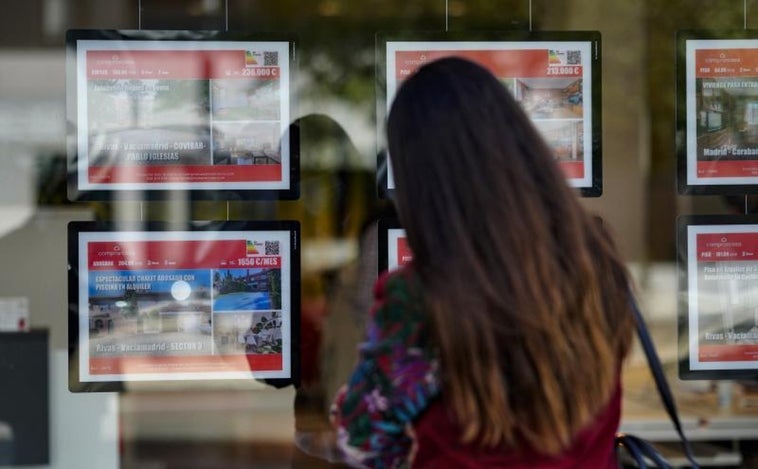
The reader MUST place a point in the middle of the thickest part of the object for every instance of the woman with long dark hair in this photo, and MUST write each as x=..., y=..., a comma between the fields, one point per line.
x=500, y=345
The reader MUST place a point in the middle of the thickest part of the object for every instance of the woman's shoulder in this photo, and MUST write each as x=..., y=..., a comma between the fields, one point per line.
x=399, y=317
x=402, y=281
x=398, y=296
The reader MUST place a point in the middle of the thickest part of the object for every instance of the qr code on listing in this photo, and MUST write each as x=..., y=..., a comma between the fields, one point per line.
x=270, y=59
x=271, y=248
x=573, y=57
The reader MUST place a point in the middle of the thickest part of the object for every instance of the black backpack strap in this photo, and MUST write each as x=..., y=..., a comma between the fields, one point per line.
x=660, y=381
x=641, y=451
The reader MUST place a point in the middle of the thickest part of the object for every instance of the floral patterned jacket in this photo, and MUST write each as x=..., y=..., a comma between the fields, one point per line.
x=394, y=381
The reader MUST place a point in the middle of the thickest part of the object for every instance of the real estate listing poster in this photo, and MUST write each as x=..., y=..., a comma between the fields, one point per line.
x=394, y=250
x=398, y=250
x=184, y=305
x=721, y=314
x=552, y=80
x=181, y=115
x=719, y=99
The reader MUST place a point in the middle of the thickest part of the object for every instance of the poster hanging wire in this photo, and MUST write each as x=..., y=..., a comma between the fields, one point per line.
x=226, y=14
x=139, y=26
x=447, y=16
x=744, y=26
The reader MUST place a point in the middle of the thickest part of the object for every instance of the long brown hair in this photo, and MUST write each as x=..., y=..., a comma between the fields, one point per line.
x=527, y=294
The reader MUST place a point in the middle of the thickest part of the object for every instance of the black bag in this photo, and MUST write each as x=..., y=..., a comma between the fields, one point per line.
x=641, y=451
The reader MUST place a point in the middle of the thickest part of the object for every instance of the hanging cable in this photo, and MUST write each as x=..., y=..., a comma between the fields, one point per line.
x=447, y=16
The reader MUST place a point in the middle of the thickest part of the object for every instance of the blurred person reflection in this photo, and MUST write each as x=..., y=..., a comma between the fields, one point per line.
x=349, y=303
x=501, y=344
x=338, y=200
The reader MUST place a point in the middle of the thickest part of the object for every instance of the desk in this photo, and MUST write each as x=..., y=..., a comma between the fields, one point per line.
x=703, y=419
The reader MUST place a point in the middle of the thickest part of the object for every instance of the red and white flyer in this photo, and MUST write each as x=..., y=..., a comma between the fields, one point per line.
x=182, y=115
x=551, y=80
x=721, y=111
x=722, y=297
x=398, y=251
x=184, y=305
